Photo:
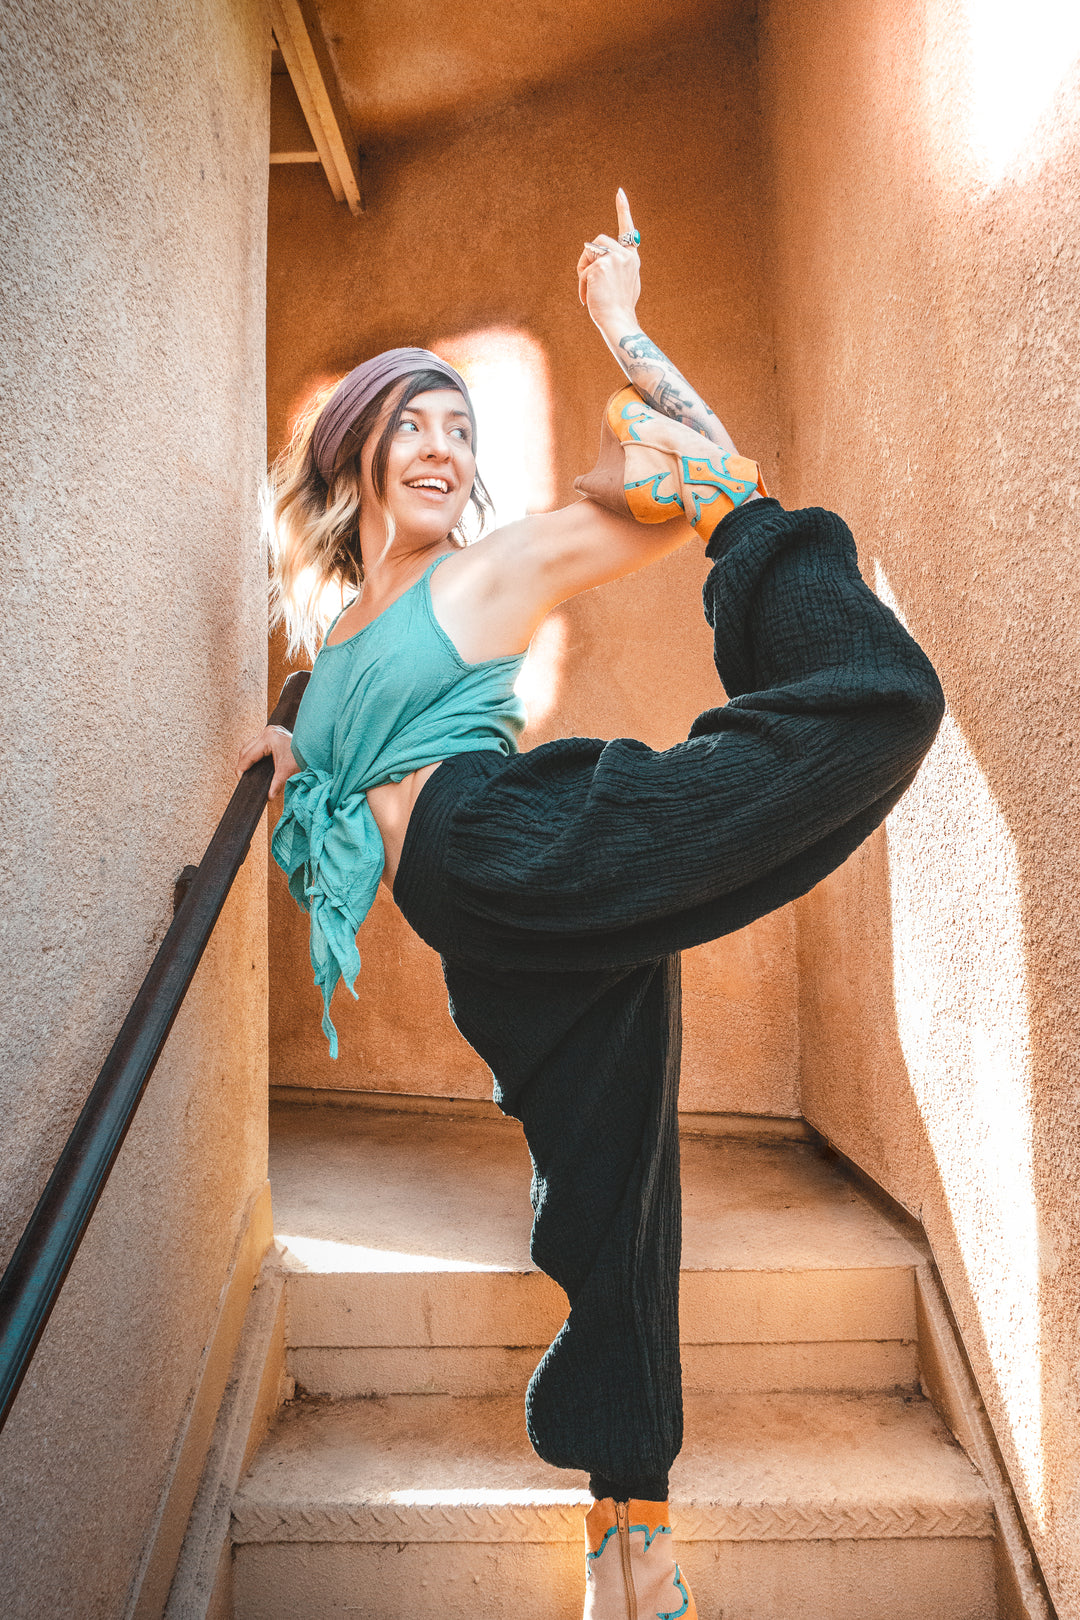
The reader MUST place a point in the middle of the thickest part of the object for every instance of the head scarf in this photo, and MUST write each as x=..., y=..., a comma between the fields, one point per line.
x=359, y=389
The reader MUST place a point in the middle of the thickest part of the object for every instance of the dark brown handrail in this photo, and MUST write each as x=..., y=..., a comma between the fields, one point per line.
x=36, y=1271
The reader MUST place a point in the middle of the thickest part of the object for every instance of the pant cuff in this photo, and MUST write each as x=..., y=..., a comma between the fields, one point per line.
x=637, y=1490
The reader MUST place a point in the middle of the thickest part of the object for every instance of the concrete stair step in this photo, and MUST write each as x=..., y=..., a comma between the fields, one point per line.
x=407, y=1245
x=827, y=1507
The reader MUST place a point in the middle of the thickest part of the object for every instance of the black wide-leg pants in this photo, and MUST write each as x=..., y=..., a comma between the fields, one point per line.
x=559, y=887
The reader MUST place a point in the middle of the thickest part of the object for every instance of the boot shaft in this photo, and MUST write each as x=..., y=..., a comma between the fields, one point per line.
x=630, y=1567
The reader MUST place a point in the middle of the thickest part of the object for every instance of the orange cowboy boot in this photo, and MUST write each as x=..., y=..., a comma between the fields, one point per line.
x=652, y=469
x=630, y=1568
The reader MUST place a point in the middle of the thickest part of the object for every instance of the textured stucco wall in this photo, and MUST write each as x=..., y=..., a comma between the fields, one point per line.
x=925, y=244
x=477, y=224
x=133, y=222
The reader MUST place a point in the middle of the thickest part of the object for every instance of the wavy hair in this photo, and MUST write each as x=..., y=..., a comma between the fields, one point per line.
x=313, y=528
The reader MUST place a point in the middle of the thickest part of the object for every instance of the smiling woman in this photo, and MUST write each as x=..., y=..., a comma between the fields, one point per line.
x=316, y=486
x=420, y=469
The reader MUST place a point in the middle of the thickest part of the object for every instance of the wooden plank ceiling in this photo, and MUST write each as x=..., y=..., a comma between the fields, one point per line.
x=371, y=71
x=310, y=81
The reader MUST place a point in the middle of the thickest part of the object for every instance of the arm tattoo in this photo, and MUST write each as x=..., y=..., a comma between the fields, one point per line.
x=665, y=388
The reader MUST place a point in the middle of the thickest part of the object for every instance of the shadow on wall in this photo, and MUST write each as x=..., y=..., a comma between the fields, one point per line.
x=984, y=993
x=928, y=278
x=938, y=974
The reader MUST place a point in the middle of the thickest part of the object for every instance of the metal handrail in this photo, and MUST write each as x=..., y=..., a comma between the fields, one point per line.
x=36, y=1271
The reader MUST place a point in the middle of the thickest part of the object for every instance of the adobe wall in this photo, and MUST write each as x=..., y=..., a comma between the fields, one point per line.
x=478, y=223
x=133, y=221
x=926, y=228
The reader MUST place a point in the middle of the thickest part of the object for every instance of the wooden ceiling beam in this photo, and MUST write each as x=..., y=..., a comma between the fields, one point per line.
x=299, y=34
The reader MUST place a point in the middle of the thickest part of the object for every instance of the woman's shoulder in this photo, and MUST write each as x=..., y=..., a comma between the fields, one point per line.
x=483, y=598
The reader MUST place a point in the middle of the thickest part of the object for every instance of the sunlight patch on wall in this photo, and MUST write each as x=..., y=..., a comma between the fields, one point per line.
x=507, y=375
x=541, y=674
x=1016, y=62
x=960, y=986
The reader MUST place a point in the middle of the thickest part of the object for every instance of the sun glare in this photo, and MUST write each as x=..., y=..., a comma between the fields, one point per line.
x=508, y=379
x=541, y=674
x=1016, y=62
x=507, y=376
x=327, y=1254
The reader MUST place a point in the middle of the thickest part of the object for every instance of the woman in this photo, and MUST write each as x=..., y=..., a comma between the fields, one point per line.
x=560, y=885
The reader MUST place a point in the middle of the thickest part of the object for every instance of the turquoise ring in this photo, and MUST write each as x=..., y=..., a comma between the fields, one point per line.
x=630, y=238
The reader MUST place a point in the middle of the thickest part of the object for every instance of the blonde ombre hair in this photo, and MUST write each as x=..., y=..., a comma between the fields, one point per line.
x=313, y=528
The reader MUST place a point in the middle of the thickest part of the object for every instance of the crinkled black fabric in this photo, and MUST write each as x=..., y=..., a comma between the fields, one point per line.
x=559, y=887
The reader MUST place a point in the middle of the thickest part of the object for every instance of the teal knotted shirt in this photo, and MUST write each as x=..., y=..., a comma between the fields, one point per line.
x=391, y=699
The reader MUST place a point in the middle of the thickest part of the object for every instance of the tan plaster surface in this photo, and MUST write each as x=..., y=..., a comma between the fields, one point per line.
x=474, y=222
x=400, y=72
x=132, y=219
x=928, y=375
x=215, y=1375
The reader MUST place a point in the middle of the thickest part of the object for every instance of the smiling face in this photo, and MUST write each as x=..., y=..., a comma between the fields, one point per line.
x=430, y=466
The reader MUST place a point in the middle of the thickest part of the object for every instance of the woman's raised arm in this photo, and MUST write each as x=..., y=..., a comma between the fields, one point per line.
x=492, y=596
x=609, y=284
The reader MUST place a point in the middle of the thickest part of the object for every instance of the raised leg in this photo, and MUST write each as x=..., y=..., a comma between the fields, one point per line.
x=587, y=855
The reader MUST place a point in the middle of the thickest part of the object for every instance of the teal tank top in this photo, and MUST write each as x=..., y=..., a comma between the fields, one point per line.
x=391, y=699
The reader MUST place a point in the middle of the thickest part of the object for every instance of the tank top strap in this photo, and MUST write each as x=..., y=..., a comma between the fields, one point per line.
x=431, y=567
x=335, y=619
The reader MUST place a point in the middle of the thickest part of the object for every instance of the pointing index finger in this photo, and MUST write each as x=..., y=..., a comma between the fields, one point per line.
x=622, y=209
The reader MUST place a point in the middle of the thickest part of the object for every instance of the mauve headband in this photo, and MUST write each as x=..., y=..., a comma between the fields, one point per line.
x=359, y=389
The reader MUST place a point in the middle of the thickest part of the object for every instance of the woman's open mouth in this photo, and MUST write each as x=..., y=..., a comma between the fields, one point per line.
x=431, y=487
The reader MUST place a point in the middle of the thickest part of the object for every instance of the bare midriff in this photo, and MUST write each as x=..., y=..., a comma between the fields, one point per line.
x=391, y=804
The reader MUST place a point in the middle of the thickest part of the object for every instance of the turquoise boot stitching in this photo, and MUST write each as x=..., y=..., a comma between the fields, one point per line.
x=654, y=481
x=675, y=1613
x=650, y=1536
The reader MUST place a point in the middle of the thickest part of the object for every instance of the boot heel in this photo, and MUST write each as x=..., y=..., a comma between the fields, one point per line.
x=604, y=484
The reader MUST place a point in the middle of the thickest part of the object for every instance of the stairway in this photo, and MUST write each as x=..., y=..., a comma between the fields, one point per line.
x=815, y=1483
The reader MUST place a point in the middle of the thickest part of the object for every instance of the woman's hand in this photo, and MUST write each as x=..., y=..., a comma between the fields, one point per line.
x=609, y=277
x=270, y=740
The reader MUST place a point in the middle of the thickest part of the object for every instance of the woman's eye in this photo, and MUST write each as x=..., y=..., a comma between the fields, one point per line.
x=411, y=425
